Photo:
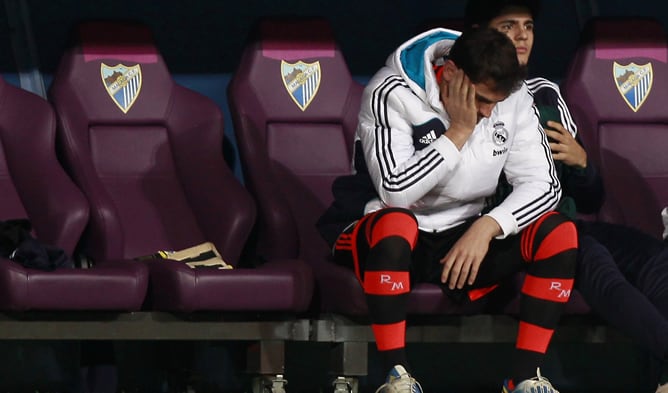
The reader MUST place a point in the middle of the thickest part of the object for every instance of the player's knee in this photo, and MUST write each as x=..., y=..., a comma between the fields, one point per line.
x=394, y=222
x=552, y=234
x=560, y=229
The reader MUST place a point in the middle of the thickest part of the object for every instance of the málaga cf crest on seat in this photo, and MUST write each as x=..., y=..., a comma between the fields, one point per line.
x=123, y=83
x=634, y=82
x=302, y=81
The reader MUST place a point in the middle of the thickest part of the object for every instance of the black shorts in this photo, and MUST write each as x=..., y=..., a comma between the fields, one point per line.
x=502, y=261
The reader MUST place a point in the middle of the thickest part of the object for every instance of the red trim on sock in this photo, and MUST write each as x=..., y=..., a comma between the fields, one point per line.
x=386, y=282
x=390, y=336
x=529, y=235
x=363, y=222
x=552, y=289
x=394, y=224
x=563, y=237
x=526, y=239
x=533, y=337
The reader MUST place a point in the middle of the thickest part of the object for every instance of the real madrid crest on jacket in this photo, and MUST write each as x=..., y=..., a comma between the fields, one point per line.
x=412, y=164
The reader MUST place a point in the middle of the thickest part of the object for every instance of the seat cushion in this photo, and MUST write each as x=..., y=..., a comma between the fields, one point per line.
x=279, y=285
x=117, y=286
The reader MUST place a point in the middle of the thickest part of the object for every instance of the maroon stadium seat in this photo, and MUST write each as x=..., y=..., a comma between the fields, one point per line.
x=147, y=154
x=35, y=187
x=617, y=90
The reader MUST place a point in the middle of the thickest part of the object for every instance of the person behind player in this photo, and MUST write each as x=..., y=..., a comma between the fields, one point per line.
x=439, y=123
x=621, y=271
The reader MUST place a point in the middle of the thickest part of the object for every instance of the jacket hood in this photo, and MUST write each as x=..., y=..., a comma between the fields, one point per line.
x=414, y=60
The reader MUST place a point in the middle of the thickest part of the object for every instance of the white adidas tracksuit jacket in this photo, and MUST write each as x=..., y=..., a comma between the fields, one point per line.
x=413, y=165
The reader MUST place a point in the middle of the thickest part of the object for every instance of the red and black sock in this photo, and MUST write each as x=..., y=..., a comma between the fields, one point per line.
x=549, y=246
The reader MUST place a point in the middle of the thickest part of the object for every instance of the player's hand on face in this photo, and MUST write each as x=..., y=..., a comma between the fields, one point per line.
x=564, y=146
x=458, y=97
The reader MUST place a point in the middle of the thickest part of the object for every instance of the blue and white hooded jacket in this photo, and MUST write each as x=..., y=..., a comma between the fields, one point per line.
x=403, y=159
x=413, y=165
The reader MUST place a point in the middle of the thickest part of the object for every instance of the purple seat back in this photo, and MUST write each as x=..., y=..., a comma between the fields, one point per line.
x=617, y=90
x=294, y=106
x=146, y=152
x=33, y=184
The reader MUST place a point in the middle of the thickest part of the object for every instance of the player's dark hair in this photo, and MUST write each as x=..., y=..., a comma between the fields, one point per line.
x=488, y=56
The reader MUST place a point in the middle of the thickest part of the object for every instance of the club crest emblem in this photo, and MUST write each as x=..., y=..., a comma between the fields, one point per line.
x=123, y=84
x=634, y=83
x=500, y=135
x=302, y=81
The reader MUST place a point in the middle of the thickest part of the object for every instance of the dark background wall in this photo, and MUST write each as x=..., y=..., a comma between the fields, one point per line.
x=201, y=40
x=206, y=36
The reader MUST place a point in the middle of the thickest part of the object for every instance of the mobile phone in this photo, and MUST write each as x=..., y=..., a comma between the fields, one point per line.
x=548, y=113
